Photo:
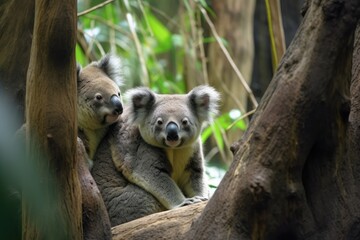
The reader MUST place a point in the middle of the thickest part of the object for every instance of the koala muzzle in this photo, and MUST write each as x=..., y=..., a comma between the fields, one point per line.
x=116, y=103
x=172, y=132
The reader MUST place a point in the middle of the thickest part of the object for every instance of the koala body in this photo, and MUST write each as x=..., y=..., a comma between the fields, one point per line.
x=99, y=106
x=99, y=100
x=152, y=159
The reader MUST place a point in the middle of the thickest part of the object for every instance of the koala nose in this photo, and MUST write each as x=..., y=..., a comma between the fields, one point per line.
x=116, y=103
x=172, y=132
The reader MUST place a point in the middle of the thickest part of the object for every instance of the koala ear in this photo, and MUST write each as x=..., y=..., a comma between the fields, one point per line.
x=112, y=66
x=141, y=101
x=205, y=101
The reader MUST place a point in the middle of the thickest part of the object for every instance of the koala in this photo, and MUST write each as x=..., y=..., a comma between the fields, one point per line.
x=99, y=105
x=99, y=100
x=152, y=159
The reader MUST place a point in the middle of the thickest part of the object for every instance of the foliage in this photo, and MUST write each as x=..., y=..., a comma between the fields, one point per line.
x=153, y=38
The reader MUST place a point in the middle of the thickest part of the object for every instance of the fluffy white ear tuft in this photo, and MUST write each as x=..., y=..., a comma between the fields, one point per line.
x=112, y=66
x=205, y=101
x=140, y=100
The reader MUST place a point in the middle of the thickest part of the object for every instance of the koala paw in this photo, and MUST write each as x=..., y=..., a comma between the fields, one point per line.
x=189, y=201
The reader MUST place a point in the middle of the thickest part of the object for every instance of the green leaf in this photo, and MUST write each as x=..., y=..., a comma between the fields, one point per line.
x=221, y=122
x=80, y=56
x=218, y=136
x=161, y=33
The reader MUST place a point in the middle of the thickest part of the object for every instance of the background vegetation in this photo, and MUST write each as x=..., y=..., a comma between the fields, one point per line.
x=171, y=46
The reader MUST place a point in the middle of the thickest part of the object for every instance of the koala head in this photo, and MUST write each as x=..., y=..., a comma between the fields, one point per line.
x=99, y=98
x=174, y=120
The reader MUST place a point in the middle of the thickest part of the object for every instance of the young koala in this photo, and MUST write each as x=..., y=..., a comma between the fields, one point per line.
x=171, y=124
x=152, y=159
x=99, y=100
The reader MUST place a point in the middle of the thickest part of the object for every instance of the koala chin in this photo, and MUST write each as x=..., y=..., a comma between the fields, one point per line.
x=99, y=100
x=156, y=152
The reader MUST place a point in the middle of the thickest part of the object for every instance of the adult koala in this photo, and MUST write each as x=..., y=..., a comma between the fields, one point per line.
x=99, y=106
x=99, y=100
x=152, y=159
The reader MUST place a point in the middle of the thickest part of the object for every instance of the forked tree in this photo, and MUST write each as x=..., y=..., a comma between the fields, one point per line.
x=51, y=125
x=296, y=170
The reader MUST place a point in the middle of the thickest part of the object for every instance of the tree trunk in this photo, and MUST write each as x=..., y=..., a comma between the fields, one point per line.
x=296, y=171
x=353, y=141
x=16, y=25
x=51, y=126
x=289, y=179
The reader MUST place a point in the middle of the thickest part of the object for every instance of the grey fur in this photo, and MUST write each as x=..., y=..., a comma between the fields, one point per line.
x=99, y=100
x=112, y=66
x=147, y=175
x=124, y=200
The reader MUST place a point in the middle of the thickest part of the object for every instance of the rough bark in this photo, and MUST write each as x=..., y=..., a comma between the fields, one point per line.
x=353, y=140
x=51, y=125
x=288, y=176
x=296, y=171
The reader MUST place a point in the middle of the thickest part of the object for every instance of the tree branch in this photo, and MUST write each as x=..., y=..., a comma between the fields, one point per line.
x=94, y=8
x=166, y=225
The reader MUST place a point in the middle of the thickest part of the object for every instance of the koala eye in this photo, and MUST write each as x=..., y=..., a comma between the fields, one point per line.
x=159, y=121
x=98, y=96
x=185, y=121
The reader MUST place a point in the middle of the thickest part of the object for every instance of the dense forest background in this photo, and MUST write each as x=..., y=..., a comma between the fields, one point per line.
x=172, y=46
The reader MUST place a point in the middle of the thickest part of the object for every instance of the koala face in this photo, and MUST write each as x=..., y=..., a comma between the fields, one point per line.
x=99, y=98
x=172, y=121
